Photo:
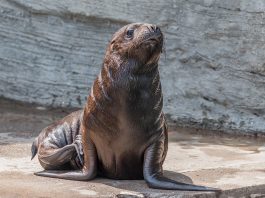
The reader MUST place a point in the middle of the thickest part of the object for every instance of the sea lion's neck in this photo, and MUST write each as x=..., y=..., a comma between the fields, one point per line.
x=134, y=94
x=129, y=77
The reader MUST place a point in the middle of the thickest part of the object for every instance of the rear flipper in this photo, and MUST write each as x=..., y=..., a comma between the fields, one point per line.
x=34, y=148
x=56, y=158
x=153, y=173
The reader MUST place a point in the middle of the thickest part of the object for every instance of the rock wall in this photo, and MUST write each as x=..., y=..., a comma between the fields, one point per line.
x=213, y=72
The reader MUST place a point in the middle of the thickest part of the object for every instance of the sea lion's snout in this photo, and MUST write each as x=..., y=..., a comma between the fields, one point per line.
x=153, y=39
x=153, y=34
x=153, y=28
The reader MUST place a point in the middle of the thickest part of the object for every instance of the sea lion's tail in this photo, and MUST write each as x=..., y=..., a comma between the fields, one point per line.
x=34, y=148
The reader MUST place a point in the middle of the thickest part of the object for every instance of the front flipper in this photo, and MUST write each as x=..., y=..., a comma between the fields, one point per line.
x=88, y=171
x=153, y=172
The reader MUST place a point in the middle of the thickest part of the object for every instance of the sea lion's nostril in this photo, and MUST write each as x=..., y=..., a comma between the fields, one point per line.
x=157, y=30
x=154, y=28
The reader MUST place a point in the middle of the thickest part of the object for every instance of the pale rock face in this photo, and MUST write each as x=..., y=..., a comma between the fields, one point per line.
x=213, y=73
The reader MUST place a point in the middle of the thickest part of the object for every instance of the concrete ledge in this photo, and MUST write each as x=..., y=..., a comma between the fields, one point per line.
x=236, y=165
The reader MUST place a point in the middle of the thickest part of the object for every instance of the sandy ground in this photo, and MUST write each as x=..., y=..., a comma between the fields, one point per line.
x=234, y=164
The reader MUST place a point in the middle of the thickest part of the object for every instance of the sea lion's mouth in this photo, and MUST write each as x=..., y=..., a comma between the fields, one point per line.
x=152, y=40
x=154, y=37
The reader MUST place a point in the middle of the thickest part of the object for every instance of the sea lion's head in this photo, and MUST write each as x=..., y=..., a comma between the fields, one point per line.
x=139, y=42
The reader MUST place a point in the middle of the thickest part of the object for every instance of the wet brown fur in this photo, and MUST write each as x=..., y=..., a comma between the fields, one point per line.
x=122, y=132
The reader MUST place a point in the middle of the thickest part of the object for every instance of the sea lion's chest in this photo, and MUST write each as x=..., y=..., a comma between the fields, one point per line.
x=123, y=129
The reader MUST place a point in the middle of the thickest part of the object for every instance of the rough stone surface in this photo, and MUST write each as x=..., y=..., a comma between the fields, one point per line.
x=213, y=73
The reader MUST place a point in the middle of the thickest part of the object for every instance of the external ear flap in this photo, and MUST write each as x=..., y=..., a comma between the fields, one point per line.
x=115, y=47
x=112, y=46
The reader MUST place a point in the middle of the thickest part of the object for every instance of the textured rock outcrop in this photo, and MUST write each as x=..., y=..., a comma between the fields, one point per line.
x=213, y=73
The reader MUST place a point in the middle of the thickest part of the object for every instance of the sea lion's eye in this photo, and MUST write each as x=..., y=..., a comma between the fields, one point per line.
x=129, y=33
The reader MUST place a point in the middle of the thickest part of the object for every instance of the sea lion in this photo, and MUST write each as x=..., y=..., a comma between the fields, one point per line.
x=122, y=131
